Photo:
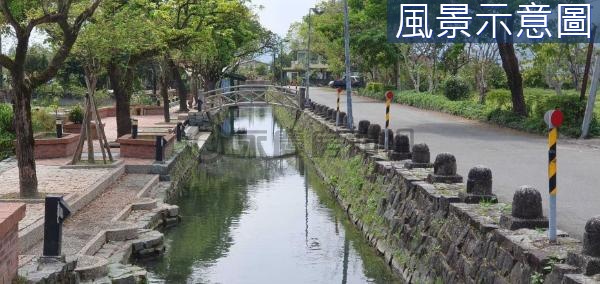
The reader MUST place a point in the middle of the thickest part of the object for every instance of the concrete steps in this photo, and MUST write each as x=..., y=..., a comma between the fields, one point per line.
x=106, y=234
x=136, y=238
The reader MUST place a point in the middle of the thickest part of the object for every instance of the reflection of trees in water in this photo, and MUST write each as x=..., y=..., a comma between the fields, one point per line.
x=211, y=203
x=249, y=145
x=374, y=267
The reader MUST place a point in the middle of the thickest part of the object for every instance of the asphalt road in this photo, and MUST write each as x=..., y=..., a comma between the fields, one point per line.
x=515, y=158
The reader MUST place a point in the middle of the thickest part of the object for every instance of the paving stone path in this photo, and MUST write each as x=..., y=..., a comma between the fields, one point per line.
x=53, y=179
x=96, y=216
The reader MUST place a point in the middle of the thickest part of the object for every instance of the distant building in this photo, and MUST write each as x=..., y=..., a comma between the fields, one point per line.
x=320, y=72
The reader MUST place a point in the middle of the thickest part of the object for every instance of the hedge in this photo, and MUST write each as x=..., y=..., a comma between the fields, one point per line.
x=497, y=109
x=6, y=131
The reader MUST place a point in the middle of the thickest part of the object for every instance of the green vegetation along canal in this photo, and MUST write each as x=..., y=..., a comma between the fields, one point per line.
x=255, y=212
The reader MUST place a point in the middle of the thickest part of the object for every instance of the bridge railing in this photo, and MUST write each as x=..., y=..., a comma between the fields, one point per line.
x=244, y=94
x=239, y=88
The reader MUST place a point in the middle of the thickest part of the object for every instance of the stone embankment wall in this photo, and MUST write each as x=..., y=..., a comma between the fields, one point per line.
x=436, y=232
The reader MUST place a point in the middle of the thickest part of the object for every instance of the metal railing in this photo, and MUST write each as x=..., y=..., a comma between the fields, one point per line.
x=249, y=95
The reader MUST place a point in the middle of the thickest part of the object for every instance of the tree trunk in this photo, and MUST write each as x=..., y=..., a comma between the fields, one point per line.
x=164, y=93
x=28, y=184
x=398, y=75
x=122, y=98
x=210, y=85
x=481, y=82
x=154, y=81
x=510, y=63
x=194, y=89
x=180, y=85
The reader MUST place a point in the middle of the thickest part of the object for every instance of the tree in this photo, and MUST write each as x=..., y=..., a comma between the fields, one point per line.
x=24, y=16
x=126, y=34
x=483, y=57
x=551, y=62
x=510, y=63
x=226, y=42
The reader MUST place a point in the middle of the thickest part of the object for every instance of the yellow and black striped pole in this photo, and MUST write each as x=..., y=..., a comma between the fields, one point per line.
x=554, y=119
x=389, y=96
x=552, y=140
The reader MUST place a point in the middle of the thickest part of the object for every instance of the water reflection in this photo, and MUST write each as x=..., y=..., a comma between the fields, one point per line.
x=249, y=217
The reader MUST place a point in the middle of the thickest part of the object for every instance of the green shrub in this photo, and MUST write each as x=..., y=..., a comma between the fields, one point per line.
x=6, y=144
x=6, y=118
x=76, y=115
x=570, y=105
x=42, y=121
x=375, y=87
x=456, y=89
x=143, y=99
x=500, y=99
x=497, y=77
x=6, y=131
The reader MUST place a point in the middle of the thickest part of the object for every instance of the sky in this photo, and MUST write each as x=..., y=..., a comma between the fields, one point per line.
x=277, y=15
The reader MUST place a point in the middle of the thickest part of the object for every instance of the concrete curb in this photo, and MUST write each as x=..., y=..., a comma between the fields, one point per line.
x=106, y=236
x=148, y=204
x=151, y=184
x=116, y=164
x=98, y=269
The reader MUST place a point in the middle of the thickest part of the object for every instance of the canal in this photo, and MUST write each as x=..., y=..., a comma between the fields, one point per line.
x=256, y=212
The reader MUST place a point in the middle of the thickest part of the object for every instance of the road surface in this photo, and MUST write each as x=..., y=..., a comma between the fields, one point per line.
x=516, y=158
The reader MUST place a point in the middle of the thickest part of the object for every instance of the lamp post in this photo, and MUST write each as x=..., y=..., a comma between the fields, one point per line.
x=281, y=46
x=348, y=71
x=318, y=11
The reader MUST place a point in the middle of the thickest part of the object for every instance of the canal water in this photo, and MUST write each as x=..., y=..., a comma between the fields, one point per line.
x=255, y=212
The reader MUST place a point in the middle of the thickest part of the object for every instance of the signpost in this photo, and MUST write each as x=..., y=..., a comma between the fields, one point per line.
x=389, y=96
x=56, y=211
x=554, y=120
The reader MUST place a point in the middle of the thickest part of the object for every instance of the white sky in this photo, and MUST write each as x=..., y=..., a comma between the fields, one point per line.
x=277, y=15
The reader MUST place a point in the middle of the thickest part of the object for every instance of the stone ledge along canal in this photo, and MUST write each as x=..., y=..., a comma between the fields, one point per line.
x=255, y=212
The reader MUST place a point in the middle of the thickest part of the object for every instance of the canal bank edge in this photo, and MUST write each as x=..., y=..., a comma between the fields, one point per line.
x=423, y=230
x=106, y=257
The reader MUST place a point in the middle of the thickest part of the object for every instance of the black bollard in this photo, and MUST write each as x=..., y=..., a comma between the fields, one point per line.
x=134, y=128
x=363, y=128
x=444, y=170
x=56, y=211
x=159, y=148
x=59, y=128
x=179, y=131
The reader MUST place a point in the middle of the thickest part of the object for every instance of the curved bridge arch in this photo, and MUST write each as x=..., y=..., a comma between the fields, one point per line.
x=251, y=95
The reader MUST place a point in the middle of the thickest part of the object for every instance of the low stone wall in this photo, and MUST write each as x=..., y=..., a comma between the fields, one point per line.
x=76, y=129
x=147, y=110
x=145, y=148
x=107, y=112
x=10, y=215
x=440, y=232
x=56, y=147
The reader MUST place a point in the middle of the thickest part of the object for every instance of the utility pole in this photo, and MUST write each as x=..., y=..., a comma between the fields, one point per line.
x=589, y=112
x=348, y=71
x=317, y=12
x=307, y=66
x=273, y=67
x=588, y=64
x=281, y=61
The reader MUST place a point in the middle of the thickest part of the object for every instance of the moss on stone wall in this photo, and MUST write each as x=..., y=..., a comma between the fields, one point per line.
x=421, y=229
